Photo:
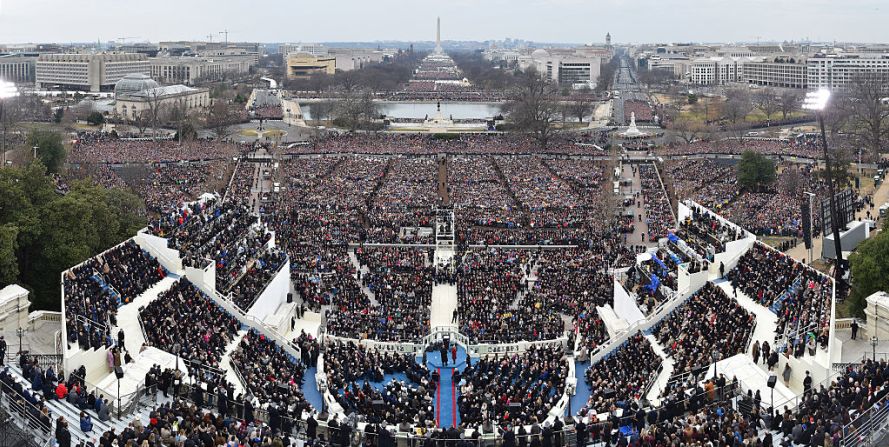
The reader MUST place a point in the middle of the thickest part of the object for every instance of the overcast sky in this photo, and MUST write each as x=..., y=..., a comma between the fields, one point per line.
x=579, y=21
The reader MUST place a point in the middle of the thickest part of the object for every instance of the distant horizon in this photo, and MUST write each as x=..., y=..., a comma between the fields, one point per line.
x=543, y=21
x=447, y=43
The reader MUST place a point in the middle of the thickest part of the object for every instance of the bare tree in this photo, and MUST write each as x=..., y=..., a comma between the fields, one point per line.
x=322, y=110
x=868, y=110
x=357, y=109
x=766, y=101
x=220, y=118
x=10, y=114
x=791, y=180
x=737, y=105
x=142, y=120
x=533, y=108
x=155, y=109
x=580, y=107
x=687, y=130
x=788, y=102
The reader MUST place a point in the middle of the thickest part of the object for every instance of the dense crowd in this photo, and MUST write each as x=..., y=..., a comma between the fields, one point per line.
x=95, y=289
x=112, y=150
x=513, y=388
x=272, y=378
x=183, y=317
x=787, y=148
x=622, y=378
x=798, y=294
x=709, y=323
x=490, y=305
x=575, y=282
x=356, y=377
x=658, y=214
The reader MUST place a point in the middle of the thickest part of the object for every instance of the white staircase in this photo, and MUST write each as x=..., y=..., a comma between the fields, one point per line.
x=225, y=364
x=128, y=316
x=654, y=394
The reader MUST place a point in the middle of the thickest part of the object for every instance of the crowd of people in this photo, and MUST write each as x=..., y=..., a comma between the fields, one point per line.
x=189, y=324
x=785, y=148
x=356, y=377
x=657, y=209
x=710, y=323
x=622, y=378
x=798, y=294
x=95, y=289
x=518, y=389
x=113, y=150
x=491, y=302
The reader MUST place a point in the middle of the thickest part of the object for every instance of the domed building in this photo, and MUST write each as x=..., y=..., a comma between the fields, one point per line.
x=136, y=93
x=134, y=82
x=539, y=54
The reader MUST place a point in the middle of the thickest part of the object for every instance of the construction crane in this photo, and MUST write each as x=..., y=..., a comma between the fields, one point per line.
x=124, y=39
x=210, y=37
x=226, y=36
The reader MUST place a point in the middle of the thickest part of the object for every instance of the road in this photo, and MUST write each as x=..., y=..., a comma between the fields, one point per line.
x=625, y=83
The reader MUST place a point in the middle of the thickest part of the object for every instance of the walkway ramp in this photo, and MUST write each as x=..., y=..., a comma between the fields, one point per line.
x=654, y=394
x=128, y=316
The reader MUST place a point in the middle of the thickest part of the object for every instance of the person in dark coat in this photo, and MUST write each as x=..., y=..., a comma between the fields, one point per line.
x=547, y=435
x=222, y=401
x=508, y=437
x=63, y=435
x=311, y=427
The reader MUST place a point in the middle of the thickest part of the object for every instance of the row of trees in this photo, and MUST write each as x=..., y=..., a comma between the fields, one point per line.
x=384, y=76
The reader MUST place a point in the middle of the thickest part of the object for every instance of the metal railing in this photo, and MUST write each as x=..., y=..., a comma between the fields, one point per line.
x=23, y=414
x=869, y=427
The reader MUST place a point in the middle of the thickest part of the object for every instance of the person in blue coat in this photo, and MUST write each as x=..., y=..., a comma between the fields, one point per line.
x=86, y=422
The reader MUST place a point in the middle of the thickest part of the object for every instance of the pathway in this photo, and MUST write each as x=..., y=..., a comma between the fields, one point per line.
x=660, y=382
x=447, y=413
x=225, y=363
x=444, y=303
x=639, y=227
x=128, y=315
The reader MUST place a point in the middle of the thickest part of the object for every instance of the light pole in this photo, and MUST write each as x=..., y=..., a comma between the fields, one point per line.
x=811, y=224
x=817, y=102
x=20, y=332
x=873, y=343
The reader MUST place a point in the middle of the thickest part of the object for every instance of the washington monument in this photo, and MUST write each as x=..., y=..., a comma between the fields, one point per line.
x=438, y=35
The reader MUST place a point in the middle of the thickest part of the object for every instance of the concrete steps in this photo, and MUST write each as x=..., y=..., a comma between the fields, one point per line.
x=70, y=413
x=225, y=364
x=660, y=382
x=128, y=316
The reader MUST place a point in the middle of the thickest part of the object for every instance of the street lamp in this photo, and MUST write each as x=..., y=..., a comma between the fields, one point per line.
x=20, y=332
x=817, y=101
x=873, y=343
x=811, y=224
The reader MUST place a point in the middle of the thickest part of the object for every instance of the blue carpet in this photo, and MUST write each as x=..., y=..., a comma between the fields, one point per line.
x=434, y=360
x=310, y=389
x=446, y=411
x=582, y=395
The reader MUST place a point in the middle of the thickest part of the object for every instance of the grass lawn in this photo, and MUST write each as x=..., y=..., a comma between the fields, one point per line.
x=248, y=133
x=274, y=133
x=710, y=107
x=774, y=241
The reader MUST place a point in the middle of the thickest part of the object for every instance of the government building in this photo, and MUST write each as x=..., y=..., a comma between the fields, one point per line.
x=137, y=93
x=87, y=72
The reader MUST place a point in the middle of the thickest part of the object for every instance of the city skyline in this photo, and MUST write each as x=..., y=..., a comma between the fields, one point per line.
x=567, y=21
